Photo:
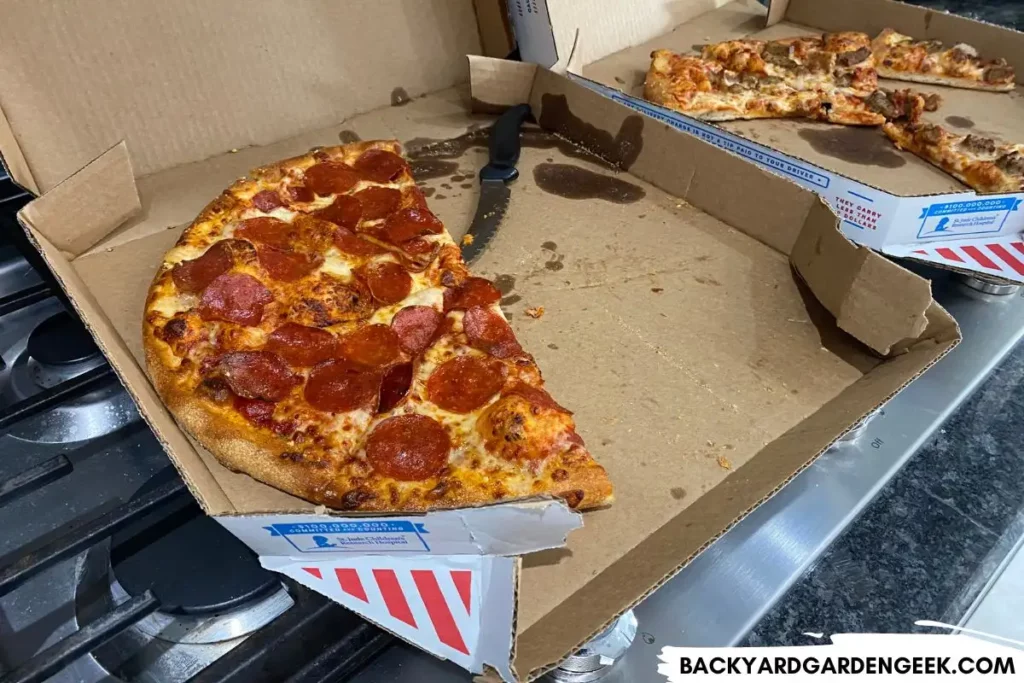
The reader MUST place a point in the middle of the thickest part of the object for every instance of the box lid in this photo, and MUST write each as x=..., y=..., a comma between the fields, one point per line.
x=184, y=81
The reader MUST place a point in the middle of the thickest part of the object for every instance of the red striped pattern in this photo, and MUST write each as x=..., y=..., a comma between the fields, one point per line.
x=1008, y=258
x=394, y=598
x=947, y=253
x=437, y=609
x=445, y=611
x=1004, y=258
x=979, y=256
x=463, y=581
x=349, y=581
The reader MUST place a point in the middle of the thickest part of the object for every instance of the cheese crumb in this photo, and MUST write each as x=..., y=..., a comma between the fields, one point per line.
x=724, y=463
x=467, y=239
x=535, y=312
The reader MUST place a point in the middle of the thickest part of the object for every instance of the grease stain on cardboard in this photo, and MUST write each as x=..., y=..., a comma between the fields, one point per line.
x=574, y=182
x=620, y=150
x=400, y=97
x=864, y=146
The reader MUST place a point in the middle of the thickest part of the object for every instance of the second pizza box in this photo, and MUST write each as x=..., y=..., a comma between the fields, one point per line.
x=888, y=200
x=710, y=348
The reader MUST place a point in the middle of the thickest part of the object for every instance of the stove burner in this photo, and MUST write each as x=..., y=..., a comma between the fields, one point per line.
x=192, y=565
x=213, y=594
x=189, y=561
x=61, y=340
x=55, y=351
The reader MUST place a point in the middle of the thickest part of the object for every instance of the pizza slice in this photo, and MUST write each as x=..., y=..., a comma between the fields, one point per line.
x=316, y=328
x=983, y=163
x=901, y=57
x=830, y=79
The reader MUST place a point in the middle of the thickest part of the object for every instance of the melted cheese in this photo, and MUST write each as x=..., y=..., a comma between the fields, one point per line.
x=335, y=264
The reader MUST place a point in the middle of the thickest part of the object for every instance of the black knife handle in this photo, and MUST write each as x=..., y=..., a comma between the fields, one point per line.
x=505, y=145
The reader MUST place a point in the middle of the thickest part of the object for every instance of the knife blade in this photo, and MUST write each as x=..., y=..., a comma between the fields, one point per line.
x=495, y=177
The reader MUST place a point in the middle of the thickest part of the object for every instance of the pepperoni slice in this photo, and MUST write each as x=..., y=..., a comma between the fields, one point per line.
x=537, y=397
x=338, y=386
x=394, y=386
x=193, y=276
x=285, y=265
x=408, y=447
x=266, y=230
x=465, y=383
x=260, y=413
x=371, y=347
x=475, y=291
x=267, y=200
x=300, y=194
x=418, y=253
x=345, y=211
x=488, y=331
x=235, y=298
x=406, y=224
x=416, y=327
x=378, y=202
x=350, y=243
x=389, y=282
x=331, y=177
x=415, y=198
x=380, y=166
x=257, y=374
x=301, y=345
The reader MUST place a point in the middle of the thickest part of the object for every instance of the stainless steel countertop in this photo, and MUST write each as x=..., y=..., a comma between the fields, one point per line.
x=721, y=595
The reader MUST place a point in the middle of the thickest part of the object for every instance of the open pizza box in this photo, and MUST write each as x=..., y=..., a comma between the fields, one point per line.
x=888, y=200
x=707, y=321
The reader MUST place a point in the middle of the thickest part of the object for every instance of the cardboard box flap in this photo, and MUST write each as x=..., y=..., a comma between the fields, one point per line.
x=856, y=284
x=499, y=83
x=175, y=81
x=547, y=31
x=925, y=24
x=101, y=197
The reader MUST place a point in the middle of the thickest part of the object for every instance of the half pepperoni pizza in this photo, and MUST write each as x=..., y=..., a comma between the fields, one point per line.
x=317, y=329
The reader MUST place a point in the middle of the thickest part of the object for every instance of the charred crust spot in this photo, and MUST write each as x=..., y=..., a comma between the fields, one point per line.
x=560, y=475
x=438, y=491
x=355, y=499
x=573, y=498
x=215, y=389
x=393, y=494
x=292, y=456
x=175, y=329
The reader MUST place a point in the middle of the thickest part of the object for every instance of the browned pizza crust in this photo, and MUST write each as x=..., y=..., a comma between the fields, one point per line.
x=244, y=447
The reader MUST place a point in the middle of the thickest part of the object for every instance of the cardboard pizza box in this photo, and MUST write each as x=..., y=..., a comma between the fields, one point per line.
x=710, y=348
x=888, y=200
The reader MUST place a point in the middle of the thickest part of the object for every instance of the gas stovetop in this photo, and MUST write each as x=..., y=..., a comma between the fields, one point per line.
x=99, y=580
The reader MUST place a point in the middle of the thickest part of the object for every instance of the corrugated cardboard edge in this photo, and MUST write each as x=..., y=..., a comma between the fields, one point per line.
x=13, y=158
x=109, y=176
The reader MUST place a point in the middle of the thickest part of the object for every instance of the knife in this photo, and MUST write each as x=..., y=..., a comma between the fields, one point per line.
x=494, y=179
